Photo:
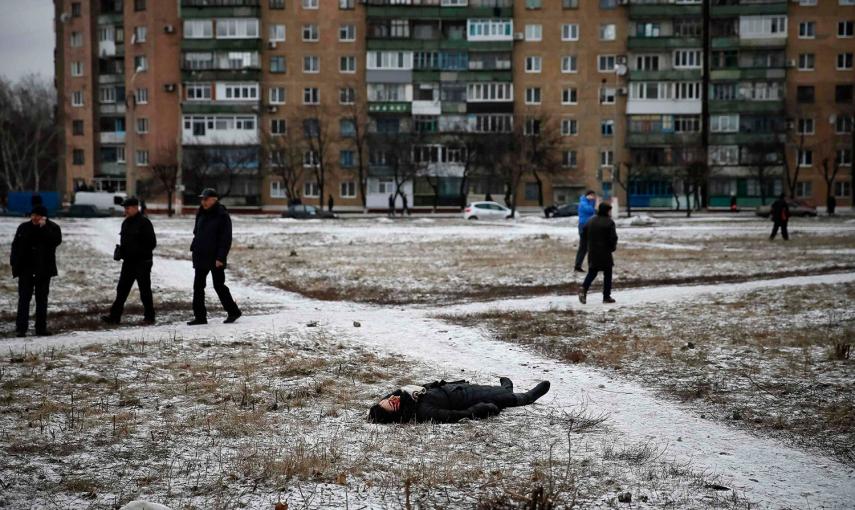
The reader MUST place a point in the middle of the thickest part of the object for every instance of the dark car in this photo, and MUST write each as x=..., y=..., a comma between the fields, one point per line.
x=561, y=211
x=307, y=212
x=797, y=208
x=83, y=211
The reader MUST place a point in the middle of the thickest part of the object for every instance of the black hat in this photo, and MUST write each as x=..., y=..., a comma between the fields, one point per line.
x=128, y=202
x=209, y=192
x=590, y=192
x=604, y=209
x=40, y=210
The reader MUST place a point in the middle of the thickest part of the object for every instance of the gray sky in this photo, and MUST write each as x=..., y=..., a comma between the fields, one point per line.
x=26, y=38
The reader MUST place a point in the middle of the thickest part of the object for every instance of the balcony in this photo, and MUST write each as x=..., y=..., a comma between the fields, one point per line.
x=111, y=18
x=111, y=108
x=725, y=43
x=221, y=44
x=111, y=137
x=432, y=107
x=642, y=139
x=106, y=49
x=436, y=12
x=439, y=44
x=663, y=106
x=112, y=169
x=453, y=107
x=748, y=9
x=198, y=107
x=105, y=79
x=245, y=74
x=777, y=73
x=662, y=43
x=666, y=75
x=747, y=106
x=663, y=11
x=389, y=107
x=746, y=138
x=220, y=8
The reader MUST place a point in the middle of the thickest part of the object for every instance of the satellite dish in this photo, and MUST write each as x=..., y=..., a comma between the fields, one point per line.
x=64, y=17
x=620, y=69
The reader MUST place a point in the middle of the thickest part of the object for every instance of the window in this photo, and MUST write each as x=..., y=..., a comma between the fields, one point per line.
x=607, y=157
x=76, y=39
x=842, y=189
x=647, y=62
x=806, y=61
x=845, y=28
x=277, y=4
x=311, y=95
x=648, y=30
x=140, y=63
x=139, y=5
x=484, y=92
x=843, y=124
x=533, y=64
x=311, y=64
x=489, y=30
x=142, y=96
x=533, y=4
x=237, y=28
x=142, y=158
x=608, y=32
x=276, y=95
x=140, y=34
x=569, y=127
x=569, y=159
x=756, y=27
x=569, y=4
x=534, y=32
x=724, y=123
x=77, y=98
x=804, y=189
x=687, y=124
x=402, y=60
x=807, y=30
x=76, y=127
x=311, y=189
x=531, y=127
x=608, y=4
x=570, y=32
x=724, y=155
x=347, y=33
x=687, y=59
x=345, y=158
x=607, y=127
x=278, y=127
x=310, y=4
x=843, y=93
x=347, y=127
x=844, y=61
x=277, y=64
x=198, y=29
x=142, y=126
x=75, y=9
x=311, y=33
x=277, y=33
x=804, y=157
x=569, y=95
x=493, y=123
x=77, y=157
x=347, y=64
x=277, y=189
x=346, y=4
x=347, y=189
x=687, y=90
x=532, y=95
x=607, y=95
x=77, y=69
x=805, y=126
x=229, y=91
x=606, y=63
x=568, y=64
x=346, y=95
x=844, y=157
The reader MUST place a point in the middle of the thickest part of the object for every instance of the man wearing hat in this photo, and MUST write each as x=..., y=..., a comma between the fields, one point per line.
x=137, y=243
x=601, y=235
x=33, y=261
x=212, y=239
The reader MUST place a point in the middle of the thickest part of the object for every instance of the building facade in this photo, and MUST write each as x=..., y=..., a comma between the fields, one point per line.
x=435, y=102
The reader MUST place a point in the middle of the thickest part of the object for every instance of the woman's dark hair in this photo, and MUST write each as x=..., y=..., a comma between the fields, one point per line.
x=379, y=415
x=604, y=209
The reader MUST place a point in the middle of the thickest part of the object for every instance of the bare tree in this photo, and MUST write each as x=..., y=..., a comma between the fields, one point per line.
x=397, y=153
x=692, y=177
x=318, y=139
x=357, y=111
x=284, y=160
x=165, y=171
x=625, y=174
x=532, y=148
x=28, y=134
x=763, y=158
x=828, y=170
x=542, y=146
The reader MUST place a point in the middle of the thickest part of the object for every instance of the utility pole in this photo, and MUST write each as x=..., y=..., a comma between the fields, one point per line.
x=705, y=100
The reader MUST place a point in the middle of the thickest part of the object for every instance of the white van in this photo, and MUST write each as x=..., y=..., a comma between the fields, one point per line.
x=102, y=200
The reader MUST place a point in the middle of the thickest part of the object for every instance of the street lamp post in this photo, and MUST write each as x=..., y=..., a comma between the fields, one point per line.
x=130, y=130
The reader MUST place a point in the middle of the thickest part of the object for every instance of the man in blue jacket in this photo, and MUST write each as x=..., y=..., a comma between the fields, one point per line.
x=587, y=210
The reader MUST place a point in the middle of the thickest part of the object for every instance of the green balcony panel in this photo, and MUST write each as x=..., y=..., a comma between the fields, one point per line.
x=642, y=139
x=189, y=107
x=390, y=107
x=769, y=42
x=663, y=11
x=112, y=169
x=659, y=43
x=425, y=76
x=221, y=44
x=221, y=75
x=725, y=43
x=746, y=138
x=671, y=74
x=744, y=74
x=729, y=11
x=746, y=106
x=453, y=107
x=435, y=12
x=220, y=12
x=111, y=18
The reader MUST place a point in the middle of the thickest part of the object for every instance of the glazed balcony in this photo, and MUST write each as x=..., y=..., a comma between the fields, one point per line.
x=746, y=138
x=220, y=8
x=748, y=9
x=662, y=43
x=666, y=75
x=774, y=73
x=663, y=10
x=747, y=106
x=657, y=139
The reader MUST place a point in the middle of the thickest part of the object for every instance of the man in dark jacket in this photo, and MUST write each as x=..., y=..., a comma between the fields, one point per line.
x=449, y=402
x=601, y=236
x=137, y=242
x=780, y=217
x=33, y=261
x=212, y=239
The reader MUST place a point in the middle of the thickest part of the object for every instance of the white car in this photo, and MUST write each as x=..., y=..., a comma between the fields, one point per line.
x=485, y=211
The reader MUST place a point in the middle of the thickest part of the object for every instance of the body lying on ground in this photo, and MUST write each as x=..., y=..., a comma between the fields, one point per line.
x=449, y=402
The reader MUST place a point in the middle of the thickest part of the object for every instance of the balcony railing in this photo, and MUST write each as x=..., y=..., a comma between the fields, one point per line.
x=220, y=3
x=504, y=4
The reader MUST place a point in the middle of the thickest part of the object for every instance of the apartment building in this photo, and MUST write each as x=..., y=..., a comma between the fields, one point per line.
x=274, y=100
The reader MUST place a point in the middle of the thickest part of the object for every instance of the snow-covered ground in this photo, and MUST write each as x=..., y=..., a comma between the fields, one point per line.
x=763, y=471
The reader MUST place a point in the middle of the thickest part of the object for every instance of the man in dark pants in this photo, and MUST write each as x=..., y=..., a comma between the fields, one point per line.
x=212, y=239
x=601, y=235
x=33, y=261
x=137, y=242
x=780, y=217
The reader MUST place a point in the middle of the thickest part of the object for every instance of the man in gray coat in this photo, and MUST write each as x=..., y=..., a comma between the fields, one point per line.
x=601, y=236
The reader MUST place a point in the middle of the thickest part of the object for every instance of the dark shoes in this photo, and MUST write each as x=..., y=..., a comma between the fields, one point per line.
x=197, y=322
x=44, y=332
x=506, y=383
x=608, y=300
x=232, y=317
x=583, y=296
x=579, y=269
x=533, y=394
x=147, y=322
x=109, y=319
x=21, y=334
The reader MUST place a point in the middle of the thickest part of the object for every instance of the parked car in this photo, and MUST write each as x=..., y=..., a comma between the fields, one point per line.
x=561, y=211
x=307, y=212
x=797, y=208
x=486, y=210
x=83, y=211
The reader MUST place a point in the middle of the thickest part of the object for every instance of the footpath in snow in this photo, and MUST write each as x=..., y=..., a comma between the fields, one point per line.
x=767, y=471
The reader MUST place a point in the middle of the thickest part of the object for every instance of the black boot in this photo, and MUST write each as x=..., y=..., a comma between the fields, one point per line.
x=533, y=394
x=506, y=383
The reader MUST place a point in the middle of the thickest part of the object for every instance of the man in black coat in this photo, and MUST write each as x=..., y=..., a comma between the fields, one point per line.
x=137, y=243
x=601, y=236
x=449, y=402
x=212, y=239
x=33, y=261
x=780, y=217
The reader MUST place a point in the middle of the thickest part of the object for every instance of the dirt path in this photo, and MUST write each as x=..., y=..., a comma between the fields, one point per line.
x=769, y=473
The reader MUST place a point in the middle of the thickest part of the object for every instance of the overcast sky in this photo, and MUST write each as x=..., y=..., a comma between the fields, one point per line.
x=26, y=38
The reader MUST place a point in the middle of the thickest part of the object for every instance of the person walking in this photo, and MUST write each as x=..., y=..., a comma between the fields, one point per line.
x=601, y=236
x=830, y=205
x=780, y=217
x=212, y=239
x=330, y=203
x=391, y=204
x=137, y=242
x=33, y=261
x=586, y=209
